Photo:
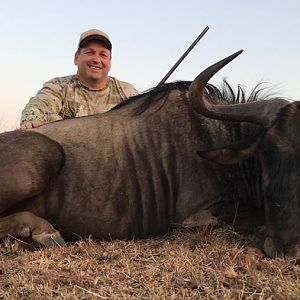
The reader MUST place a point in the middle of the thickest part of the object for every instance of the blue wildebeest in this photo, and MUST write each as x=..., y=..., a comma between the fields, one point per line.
x=134, y=171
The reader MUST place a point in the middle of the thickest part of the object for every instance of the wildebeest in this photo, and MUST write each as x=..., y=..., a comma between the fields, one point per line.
x=148, y=163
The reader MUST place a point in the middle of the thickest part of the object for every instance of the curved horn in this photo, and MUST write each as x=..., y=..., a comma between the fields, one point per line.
x=254, y=112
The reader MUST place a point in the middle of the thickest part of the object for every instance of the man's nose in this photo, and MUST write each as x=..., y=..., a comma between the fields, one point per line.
x=97, y=58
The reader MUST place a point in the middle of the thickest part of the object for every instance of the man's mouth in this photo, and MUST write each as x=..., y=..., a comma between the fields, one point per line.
x=95, y=67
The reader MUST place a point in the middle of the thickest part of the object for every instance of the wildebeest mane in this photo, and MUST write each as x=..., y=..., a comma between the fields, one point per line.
x=154, y=95
x=224, y=95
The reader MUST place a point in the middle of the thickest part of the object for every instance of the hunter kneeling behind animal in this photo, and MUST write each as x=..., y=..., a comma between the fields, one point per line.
x=88, y=92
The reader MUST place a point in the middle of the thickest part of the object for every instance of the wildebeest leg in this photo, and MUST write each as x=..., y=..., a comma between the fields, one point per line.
x=30, y=163
x=202, y=218
x=24, y=224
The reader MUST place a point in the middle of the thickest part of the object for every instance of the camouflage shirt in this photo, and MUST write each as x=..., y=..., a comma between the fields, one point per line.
x=65, y=98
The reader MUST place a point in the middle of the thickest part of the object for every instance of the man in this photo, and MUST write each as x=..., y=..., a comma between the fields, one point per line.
x=88, y=92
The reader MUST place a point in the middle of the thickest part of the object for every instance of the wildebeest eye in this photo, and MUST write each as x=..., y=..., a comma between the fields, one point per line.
x=267, y=149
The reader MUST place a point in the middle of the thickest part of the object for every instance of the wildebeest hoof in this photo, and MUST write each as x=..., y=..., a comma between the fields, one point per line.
x=269, y=247
x=24, y=232
x=271, y=251
x=294, y=251
x=49, y=239
x=202, y=218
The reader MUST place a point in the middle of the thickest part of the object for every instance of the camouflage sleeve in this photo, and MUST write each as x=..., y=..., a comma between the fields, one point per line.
x=46, y=105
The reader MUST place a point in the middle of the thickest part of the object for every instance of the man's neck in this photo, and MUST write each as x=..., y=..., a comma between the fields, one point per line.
x=94, y=85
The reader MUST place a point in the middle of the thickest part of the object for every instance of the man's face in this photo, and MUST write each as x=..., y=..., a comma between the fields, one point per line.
x=93, y=61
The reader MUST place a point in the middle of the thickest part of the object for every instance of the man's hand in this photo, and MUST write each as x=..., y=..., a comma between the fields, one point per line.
x=31, y=124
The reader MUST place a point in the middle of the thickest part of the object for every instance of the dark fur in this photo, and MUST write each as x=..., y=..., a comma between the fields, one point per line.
x=130, y=173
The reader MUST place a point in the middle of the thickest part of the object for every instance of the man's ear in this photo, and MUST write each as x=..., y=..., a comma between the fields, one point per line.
x=76, y=58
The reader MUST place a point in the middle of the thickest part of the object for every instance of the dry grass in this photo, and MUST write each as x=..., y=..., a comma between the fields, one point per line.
x=180, y=265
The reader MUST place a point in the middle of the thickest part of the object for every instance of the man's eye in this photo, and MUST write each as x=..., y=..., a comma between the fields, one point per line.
x=89, y=52
x=103, y=54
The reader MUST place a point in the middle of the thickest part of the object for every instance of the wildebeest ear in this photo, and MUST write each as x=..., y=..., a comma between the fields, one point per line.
x=226, y=155
x=233, y=153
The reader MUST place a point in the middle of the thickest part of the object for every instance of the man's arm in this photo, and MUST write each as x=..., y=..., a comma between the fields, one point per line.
x=44, y=107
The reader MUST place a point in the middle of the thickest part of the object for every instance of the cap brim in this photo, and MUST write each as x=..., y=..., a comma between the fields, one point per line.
x=102, y=39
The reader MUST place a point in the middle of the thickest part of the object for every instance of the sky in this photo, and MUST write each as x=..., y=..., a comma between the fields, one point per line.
x=39, y=38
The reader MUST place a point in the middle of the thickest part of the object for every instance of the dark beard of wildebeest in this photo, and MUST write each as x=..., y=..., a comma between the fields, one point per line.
x=169, y=156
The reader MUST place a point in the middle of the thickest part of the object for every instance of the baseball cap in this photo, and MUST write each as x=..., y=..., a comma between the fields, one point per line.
x=95, y=34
